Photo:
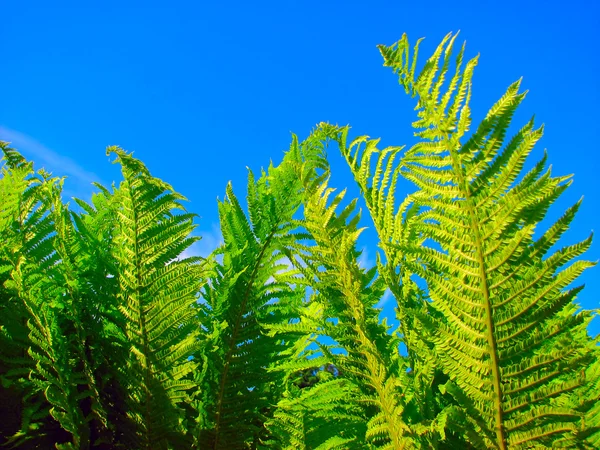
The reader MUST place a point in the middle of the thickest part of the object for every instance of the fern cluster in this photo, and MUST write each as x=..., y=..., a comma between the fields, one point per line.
x=109, y=338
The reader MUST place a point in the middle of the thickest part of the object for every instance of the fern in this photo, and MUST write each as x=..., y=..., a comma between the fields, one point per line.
x=316, y=417
x=43, y=281
x=14, y=341
x=109, y=338
x=396, y=226
x=39, y=364
x=349, y=295
x=509, y=337
x=252, y=291
x=156, y=296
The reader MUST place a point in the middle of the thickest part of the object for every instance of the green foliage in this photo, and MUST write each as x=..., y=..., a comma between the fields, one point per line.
x=249, y=289
x=111, y=338
x=156, y=297
x=349, y=295
x=505, y=328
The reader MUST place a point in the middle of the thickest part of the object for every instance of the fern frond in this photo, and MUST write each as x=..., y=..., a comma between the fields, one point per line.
x=502, y=319
x=156, y=296
x=30, y=360
x=349, y=295
x=396, y=226
x=250, y=295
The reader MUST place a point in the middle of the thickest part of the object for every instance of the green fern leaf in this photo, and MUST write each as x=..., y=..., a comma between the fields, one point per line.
x=156, y=297
x=502, y=318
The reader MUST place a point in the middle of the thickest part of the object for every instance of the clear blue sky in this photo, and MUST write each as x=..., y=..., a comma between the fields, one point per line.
x=200, y=90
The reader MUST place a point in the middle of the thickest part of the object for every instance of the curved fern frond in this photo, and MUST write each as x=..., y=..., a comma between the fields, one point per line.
x=349, y=295
x=34, y=351
x=49, y=297
x=396, y=226
x=510, y=340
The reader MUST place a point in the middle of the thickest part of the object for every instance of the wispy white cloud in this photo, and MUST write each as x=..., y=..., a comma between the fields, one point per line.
x=49, y=159
x=286, y=264
x=385, y=299
x=211, y=239
x=364, y=262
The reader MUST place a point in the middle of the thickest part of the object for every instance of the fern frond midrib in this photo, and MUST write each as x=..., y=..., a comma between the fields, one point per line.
x=480, y=252
x=141, y=316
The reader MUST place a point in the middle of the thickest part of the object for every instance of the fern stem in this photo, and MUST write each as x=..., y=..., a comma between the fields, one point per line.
x=491, y=338
x=141, y=323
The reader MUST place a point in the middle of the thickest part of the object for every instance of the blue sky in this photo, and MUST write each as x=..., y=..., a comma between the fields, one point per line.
x=200, y=90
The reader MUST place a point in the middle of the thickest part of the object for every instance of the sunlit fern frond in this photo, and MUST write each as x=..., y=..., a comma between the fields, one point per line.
x=27, y=261
x=42, y=254
x=377, y=174
x=156, y=296
x=511, y=339
x=317, y=408
x=349, y=295
x=26, y=225
x=255, y=287
x=589, y=400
